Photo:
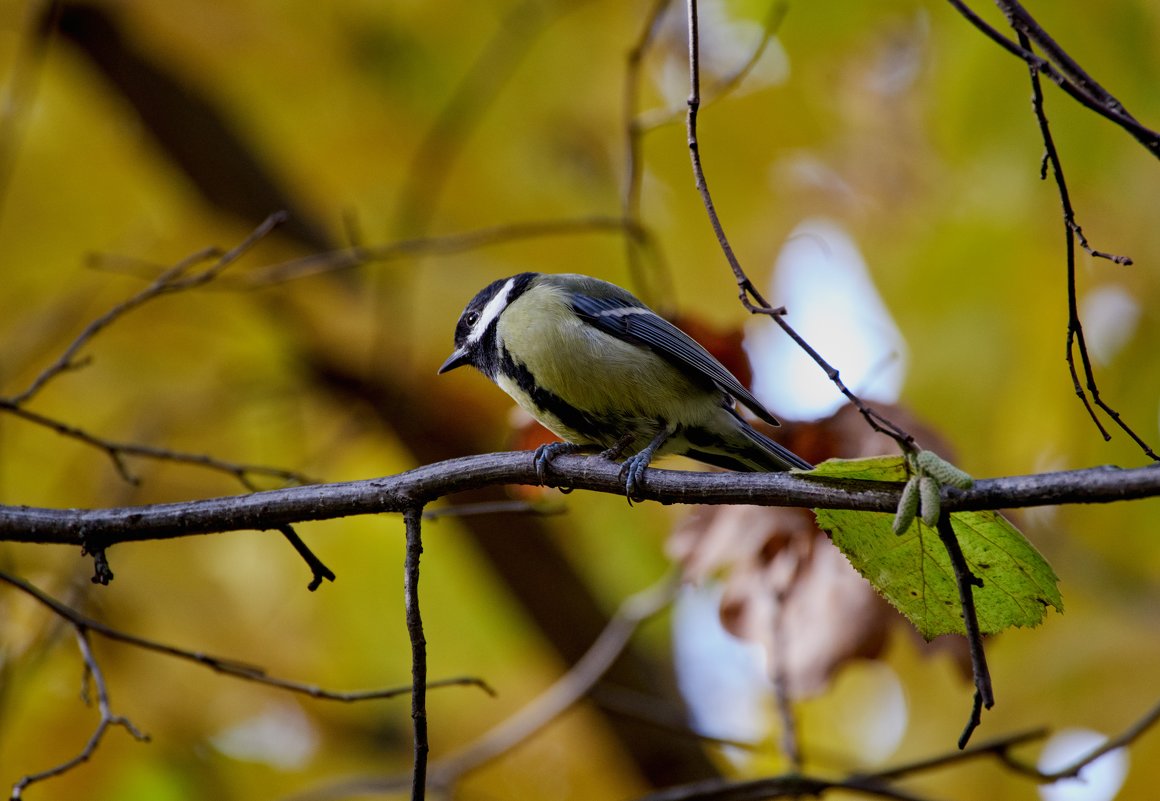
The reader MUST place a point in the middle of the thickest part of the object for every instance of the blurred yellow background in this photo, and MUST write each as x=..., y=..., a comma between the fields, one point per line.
x=375, y=123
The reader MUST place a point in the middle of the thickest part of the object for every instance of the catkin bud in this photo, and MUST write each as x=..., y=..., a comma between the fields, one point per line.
x=931, y=464
x=907, y=506
x=931, y=500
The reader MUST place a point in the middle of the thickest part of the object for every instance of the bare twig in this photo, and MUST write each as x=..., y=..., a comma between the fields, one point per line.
x=228, y=667
x=1080, y=87
x=966, y=580
x=1073, y=769
x=785, y=786
x=176, y=279
x=358, y=255
x=107, y=719
x=750, y=297
x=318, y=570
x=722, y=87
x=119, y=452
x=414, y=521
x=1072, y=231
x=180, y=277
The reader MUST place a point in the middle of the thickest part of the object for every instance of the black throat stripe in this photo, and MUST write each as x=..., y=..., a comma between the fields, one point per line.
x=571, y=417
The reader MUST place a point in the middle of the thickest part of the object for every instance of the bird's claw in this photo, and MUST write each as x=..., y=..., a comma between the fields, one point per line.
x=543, y=456
x=632, y=473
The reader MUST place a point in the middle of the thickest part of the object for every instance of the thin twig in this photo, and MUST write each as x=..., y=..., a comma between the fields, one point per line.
x=651, y=120
x=318, y=570
x=1099, y=103
x=176, y=279
x=414, y=522
x=966, y=581
x=93, y=674
x=228, y=667
x=634, y=163
x=1073, y=769
x=449, y=244
x=1075, y=336
x=750, y=297
x=118, y=452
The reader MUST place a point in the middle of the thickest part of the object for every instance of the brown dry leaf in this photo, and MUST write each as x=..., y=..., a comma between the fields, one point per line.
x=787, y=588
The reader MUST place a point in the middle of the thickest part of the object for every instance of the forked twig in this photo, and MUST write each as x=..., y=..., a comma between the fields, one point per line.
x=1072, y=232
x=93, y=675
x=180, y=277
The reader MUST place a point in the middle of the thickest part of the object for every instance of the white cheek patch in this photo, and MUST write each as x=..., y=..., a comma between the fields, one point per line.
x=491, y=311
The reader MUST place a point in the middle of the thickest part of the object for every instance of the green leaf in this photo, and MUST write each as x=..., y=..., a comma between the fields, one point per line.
x=875, y=468
x=913, y=571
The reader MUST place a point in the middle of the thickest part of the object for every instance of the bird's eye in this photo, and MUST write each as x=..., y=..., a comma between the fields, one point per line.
x=471, y=318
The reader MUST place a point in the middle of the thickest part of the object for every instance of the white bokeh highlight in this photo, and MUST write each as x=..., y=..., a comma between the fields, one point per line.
x=721, y=677
x=1099, y=781
x=1110, y=315
x=822, y=279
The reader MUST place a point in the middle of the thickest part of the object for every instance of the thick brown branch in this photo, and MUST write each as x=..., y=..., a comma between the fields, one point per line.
x=271, y=509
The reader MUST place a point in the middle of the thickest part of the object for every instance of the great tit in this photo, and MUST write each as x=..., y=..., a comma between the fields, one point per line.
x=601, y=370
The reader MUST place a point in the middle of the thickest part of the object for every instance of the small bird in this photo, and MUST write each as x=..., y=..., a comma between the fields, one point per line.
x=600, y=369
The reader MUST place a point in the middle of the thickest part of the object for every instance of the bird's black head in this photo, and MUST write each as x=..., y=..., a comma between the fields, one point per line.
x=475, y=337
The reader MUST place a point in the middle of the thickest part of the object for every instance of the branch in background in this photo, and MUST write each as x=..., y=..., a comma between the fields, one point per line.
x=94, y=675
x=449, y=244
x=20, y=88
x=120, y=452
x=1073, y=769
x=187, y=125
x=431, y=165
x=580, y=680
x=750, y=297
x=878, y=784
x=178, y=278
x=84, y=625
x=634, y=164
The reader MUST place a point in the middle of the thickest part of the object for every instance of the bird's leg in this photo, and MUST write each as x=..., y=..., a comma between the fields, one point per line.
x=544, y=455
x=632, y=471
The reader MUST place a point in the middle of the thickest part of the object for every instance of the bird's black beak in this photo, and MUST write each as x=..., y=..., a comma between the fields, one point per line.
x=457, y=359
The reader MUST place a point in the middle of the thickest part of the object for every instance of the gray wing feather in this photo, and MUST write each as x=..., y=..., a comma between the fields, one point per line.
x=627, y=319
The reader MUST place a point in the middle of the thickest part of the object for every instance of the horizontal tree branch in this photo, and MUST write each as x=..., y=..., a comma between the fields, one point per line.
x=97, y=528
